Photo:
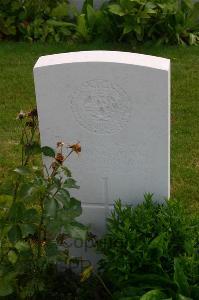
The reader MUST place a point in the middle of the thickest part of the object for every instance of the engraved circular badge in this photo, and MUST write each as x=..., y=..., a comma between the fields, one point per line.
x=101, y=106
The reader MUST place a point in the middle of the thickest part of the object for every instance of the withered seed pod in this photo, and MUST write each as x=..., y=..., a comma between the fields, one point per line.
x=60, y=144
x=76, y=147
x=33, y=113
x=59, y=158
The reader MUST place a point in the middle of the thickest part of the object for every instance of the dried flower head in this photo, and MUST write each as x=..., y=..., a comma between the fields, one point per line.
x=76, y=147
x=60, y=144
x=21, y=115
x=59, y=158
x=33, y=113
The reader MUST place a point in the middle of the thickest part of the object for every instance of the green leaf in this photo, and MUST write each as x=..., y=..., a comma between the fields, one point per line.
x=31, y=149
x=12, y=256
x=128, y=28
x=6, y=284
x=128, y=298
x=5, y=288
x=90, y=16
x=188, y=3
x=61, y=10
x=24, y=190
x=33, y=191
x=23, y=171
x=60, y=24
x=50, y=207
x=82, y=28
x=116, y=9
x=30, y=215
x=27, y=229
x=150, y=5
x=54, y=227
x=76, y=230
x=73, y=208
x=5, y=202
x=152, y=280
x=70, y=183
x=66, y=171
x=150, y=8
x=63, y=198
x=153, y=295
x=180, y=278
x=51, y=249
x=14, y=234
x=181, y=297
x=22, y=246
x=85, y=4
x=16, y=212
x=47, y=151
x=138, y=29
x=129, y=293
x=158, y=245
x=192, y=39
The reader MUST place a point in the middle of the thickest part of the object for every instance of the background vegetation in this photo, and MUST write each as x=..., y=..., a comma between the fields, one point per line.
x=160, y=21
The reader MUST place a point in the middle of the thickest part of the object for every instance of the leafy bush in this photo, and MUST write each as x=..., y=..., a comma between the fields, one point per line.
x=171, y=21
x=34, y=20
x=174, y=22
x=37, y=216
x=153, y=249
x=94, y=23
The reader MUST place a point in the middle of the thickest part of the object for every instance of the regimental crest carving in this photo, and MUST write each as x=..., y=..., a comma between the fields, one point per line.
x=101, y=106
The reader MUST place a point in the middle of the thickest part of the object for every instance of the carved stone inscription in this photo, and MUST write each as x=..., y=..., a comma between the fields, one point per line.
x=117, y=104
x=101, y=106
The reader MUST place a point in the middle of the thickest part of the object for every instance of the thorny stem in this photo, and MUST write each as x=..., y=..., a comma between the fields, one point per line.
x=46, y=170
x=28, y=156
x=22, y=149
x=32, y=252
x=31, y=140
x=68, y=155
x=40, y=227
x=56, y=192
x=103, y=284
x=101, y=281
x=15, y=191
x=42, y=217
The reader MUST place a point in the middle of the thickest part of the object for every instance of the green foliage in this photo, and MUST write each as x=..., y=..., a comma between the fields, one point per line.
x=93, y=23
x=38, y=218
x=47, y=151
x=151, y=251
x=34, y=20
x=174, y=22
x=153, y=295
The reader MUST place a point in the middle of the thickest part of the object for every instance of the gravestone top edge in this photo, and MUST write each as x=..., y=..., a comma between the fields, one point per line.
x=106, y=57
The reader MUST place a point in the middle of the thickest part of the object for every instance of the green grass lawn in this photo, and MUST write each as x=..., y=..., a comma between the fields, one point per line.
x=17, y=92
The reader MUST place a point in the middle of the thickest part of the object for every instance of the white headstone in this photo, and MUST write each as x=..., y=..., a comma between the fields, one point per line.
x=117, y=104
